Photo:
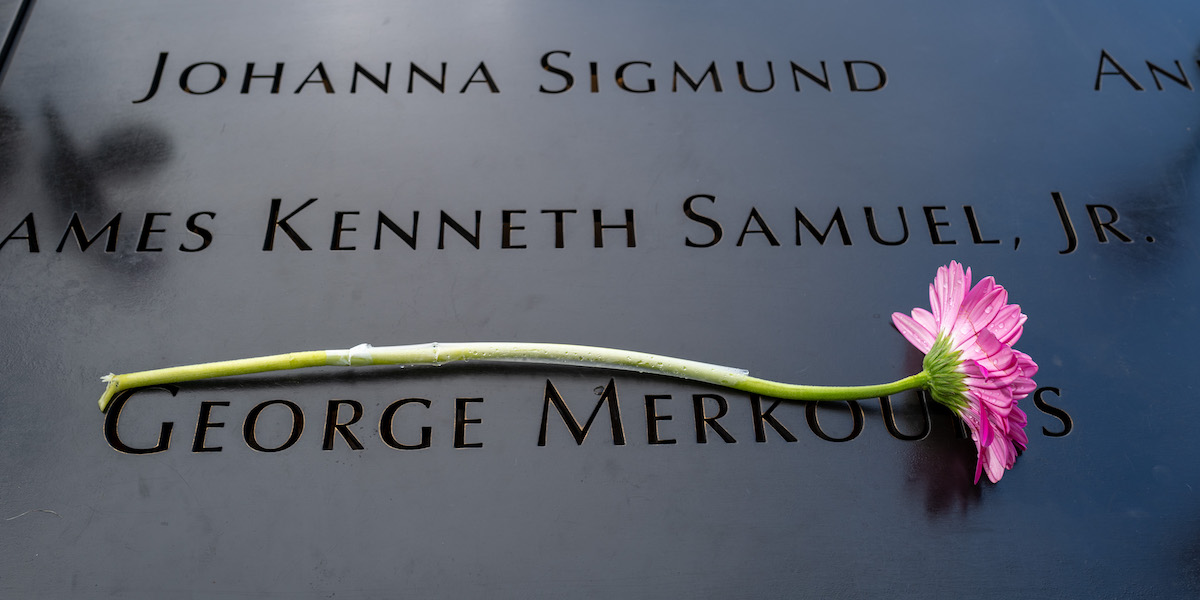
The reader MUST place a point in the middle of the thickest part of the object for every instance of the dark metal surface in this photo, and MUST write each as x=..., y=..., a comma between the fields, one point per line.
x=13, y=14
x=986, y=118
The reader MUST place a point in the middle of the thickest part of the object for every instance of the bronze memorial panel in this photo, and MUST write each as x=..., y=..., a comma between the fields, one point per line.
x=752, y=184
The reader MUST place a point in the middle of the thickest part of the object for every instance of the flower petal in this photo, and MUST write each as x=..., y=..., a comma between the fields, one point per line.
x=946, y=294
x=997, y=462
x=971, y=300
x=925, y=318
x=1016, y=427
x=1008, y=324
x=984, y=310
x=999, y=401
x=914, y=332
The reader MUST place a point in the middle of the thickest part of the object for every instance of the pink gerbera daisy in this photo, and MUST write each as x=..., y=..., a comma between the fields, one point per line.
x=970, y=362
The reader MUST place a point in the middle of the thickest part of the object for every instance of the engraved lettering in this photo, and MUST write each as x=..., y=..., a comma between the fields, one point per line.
x=1053, y=411
x=386, y=431
x=558, y=224
x=482, y=71
x=76, y=227
x=568, y=78
x=822, y=81
x=382, y=85
x=695, y=85
x=934, y=225
x=652, y=419
x=113, y=416
x=763, y=228
x=472, y=238
x=851, y=74
x=712, y=224
x=874, y=230
x=461, y=421
x=343, y=429
x=203, y=424
x=157, y=79
x=762, y=418
x=741, y=69
x=856, y=414
x=1068, y=227
x=249, y=427
x=30, y=236
x=438, y=84
x=205, y=235
x=704, y=422
x=889, y=419
x=1101, y=226
x=599, y=227
x=383, y=220
x=976, y=236
x=821, y=236
x=324, y=79
x=339, y=228
x=620, y=77
x=506, y=228
x=1100, y=72
x=147, y=230
x=1182, y=79
x=274, y=222
x=608, y=396
x=186, y=75
x=276, y=78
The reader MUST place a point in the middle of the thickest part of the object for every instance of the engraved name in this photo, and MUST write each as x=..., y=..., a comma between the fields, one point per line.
x=561, y=71
x=408, y=423
x=305, y=226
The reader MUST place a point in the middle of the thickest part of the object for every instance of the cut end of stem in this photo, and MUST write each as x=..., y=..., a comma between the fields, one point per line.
x=109, y=392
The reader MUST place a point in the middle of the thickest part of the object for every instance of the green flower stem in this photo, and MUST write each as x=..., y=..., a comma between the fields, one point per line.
x=442, y=353
x=791, y=391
